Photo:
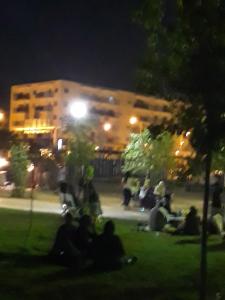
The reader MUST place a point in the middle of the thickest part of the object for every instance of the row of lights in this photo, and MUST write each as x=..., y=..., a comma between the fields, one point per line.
x=187, y=134
x=79, y=110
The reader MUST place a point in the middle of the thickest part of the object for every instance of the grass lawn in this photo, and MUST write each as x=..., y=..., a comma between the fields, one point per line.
x=167, y=266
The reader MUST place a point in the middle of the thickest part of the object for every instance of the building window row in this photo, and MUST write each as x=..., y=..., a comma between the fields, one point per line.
x=44, y=108
x=18, y=123
x=21, y=96
x=143, y=105
x=26, y=96
x=22, y=108
x=44, y=94
x=103, y=112
x=100, y=99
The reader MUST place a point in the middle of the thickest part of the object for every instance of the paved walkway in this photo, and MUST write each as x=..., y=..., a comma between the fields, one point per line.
x=110, y=210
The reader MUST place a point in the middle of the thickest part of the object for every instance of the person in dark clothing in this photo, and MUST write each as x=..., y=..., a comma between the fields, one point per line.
x=167, y=202
x=216, y=195
x=108, y=251
x=127, y=193
x=191, y=225
x=64, y=250
x=85, y=235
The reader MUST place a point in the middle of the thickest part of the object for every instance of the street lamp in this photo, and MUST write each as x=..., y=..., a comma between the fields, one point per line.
x=2, y=116
x=78, y=110
x=107, y=126
x=133, y=120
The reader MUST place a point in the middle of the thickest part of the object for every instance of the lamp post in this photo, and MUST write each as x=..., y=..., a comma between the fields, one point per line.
x=2, y=116
x=78, y=109
x=134, y=120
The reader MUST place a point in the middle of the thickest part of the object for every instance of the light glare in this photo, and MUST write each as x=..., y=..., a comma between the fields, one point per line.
x=78, y=109
x=107, y=126
x=3, y=162
x=133, y=120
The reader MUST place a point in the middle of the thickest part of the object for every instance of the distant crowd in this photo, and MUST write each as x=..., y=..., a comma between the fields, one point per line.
x=157, y=201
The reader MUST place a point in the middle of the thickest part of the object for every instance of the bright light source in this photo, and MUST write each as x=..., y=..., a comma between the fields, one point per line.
x=97, y=148
x=187, y=133
x=30, y=168
x=60, y=144
x=181, y=143
x=78, y=109
x=133, y=120
x=3, y=162
x=107, y=126
x=177, y=152
x=2, y=116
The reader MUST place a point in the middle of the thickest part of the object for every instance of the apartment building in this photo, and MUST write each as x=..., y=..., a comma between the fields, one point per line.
x=41, y=111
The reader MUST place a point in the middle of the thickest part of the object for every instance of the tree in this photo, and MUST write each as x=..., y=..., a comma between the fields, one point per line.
x=6, y=139
x=185, y=61
x=80, y=151
x=19, y=163
x=148, y=155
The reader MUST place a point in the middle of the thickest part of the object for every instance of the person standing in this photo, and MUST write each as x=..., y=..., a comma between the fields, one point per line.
x=160, y=190
x=127, y=193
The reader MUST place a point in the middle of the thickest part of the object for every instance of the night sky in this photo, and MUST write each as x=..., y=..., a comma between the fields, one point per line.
x=89, y=41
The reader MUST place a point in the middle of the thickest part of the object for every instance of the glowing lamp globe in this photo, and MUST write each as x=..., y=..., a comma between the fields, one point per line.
x=107, y=126
x=133, y=120
x=78, y=110
x=1, y=116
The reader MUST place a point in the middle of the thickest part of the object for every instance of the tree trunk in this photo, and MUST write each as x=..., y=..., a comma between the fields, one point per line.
x=203, y=265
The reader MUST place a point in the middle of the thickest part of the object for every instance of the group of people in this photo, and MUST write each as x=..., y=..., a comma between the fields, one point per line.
x=80, y=247
x=157, y=200
x=145, y=196
x=86, y=200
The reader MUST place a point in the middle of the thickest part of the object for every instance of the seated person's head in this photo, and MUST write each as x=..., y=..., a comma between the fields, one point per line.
x=109, y=228
x=63, y=187
x=70, y=189
x=193, y=211
x=68, y=218
x=85, y=221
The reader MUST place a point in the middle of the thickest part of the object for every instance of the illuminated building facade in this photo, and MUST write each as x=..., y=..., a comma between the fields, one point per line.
x=41, y=110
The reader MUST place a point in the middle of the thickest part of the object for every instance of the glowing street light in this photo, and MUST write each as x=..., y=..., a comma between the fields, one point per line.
x=133, y=120
x=187, y=134
x=2, y=116
x=78, y=110
x=30, y=168
x=3, y=162
x=107, y=126
x=177, y=152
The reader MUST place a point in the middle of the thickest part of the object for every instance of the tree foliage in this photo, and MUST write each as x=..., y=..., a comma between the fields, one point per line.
x=6, y=139
x=150, y=156
x=19, y=163
x=81, y=148
x=185, y=61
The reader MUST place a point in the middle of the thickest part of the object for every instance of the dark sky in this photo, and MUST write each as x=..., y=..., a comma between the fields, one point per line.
x=89, y=41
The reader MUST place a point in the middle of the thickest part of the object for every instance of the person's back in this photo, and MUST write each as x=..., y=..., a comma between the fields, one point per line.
x=216, y=195
x=84, y=236
x=157, y=218
x=64, y=249
x=108, y=249
x=192, y=223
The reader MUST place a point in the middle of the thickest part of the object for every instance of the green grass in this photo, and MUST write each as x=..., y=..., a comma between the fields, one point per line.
x=167, y=266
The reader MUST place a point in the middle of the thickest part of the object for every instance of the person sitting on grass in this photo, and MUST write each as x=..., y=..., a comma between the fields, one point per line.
x=108, y=251
x=158, y=217
x=191, y=224
x=146, y=196
x=64, y=250
x=85, y=235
